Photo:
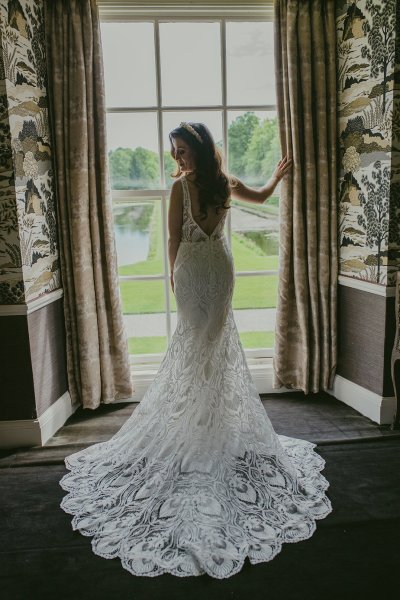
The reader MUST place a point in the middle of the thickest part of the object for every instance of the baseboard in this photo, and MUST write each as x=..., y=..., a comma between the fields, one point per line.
x=36, y=432
x=7, y=310
x=380, y=409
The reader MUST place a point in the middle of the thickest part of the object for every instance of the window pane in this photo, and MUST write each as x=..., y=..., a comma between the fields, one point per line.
x=254, y=145
x=129, y=80
x=138, y=236
x=250, y=63
x=211, y=118
x=255, y=236
x=132, y=141
x=254, y=303
x=190, y=64
x=143, y=304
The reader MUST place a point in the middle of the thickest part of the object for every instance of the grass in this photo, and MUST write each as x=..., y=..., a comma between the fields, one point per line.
x=158, y=344
x=249, y=257
x=144, y=297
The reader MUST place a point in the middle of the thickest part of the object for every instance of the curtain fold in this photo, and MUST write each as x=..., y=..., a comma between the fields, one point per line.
x=96, y=345
x=306, y=322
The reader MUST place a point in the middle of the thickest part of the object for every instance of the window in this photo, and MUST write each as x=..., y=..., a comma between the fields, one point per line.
x=159, y=71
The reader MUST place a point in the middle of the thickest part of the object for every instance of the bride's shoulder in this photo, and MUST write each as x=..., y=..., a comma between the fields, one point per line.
x=177, y=183
x=176, y=194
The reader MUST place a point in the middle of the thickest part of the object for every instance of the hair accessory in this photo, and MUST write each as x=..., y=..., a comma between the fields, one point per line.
x=192, y=131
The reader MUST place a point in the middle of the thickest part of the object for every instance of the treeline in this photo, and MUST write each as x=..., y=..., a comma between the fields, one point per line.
x=254, y=150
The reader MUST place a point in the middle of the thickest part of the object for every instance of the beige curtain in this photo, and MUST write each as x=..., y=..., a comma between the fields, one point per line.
x=305, y=335
x=97, y=351
x=395, y=358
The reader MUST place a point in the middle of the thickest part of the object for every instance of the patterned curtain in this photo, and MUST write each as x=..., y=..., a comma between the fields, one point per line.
x=97, y=349
x=306, y=336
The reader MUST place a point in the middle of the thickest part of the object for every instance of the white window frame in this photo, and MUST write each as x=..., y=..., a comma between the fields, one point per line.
x=166, y=12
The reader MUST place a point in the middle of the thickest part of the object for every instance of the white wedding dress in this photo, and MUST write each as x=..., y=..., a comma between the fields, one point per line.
x=197, y=479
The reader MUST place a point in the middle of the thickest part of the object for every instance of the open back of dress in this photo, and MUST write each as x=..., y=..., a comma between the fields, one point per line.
x=197, y=479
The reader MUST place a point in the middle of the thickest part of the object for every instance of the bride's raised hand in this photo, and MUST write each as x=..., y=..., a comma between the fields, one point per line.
x=283, y=166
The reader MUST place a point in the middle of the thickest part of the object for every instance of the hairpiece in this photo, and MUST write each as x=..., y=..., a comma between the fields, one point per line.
x=192, y=131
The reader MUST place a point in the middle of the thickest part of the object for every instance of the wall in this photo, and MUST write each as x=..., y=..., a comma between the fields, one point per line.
x=32, y=337
x=369, y=206
x=28, y=237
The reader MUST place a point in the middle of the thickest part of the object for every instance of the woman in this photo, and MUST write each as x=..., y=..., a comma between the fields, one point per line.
x=197, y=479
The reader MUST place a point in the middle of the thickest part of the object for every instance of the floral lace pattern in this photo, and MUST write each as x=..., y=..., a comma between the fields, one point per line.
x=197, y=479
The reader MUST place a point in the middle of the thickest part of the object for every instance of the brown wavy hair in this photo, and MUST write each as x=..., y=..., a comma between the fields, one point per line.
x=213, y=184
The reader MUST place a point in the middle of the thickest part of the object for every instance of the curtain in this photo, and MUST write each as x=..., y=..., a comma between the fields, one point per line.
x=96, y=345
x=395, y=358
x=305, y=334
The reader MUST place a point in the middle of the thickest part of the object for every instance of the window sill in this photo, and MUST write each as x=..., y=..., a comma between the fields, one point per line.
x=143, y=374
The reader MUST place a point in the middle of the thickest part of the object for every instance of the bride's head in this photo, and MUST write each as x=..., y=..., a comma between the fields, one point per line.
x=194, y=149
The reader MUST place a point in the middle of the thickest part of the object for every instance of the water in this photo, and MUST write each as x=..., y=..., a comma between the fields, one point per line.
x=267, y=241
x=132, y=246
x=132, y=232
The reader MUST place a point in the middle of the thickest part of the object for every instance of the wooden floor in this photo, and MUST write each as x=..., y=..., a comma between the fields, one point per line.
x=318, y=418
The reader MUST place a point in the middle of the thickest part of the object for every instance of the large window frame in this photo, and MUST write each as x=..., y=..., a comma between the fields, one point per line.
x=222, y=13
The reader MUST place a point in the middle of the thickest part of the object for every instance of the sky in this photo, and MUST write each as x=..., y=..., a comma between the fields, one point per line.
x=190, y=75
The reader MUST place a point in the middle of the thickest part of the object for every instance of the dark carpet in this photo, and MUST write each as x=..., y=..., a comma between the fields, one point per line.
x=354, y=553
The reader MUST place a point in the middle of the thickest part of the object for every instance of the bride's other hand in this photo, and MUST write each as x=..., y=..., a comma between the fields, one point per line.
x=241, y=191
x=172, y=282
x=283, y=166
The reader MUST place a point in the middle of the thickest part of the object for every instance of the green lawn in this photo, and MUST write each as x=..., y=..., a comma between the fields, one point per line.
x=156, y=344
x=149, y=296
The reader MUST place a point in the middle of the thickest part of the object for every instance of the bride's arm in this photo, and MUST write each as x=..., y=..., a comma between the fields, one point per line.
x=175, y=219
x=241, y=191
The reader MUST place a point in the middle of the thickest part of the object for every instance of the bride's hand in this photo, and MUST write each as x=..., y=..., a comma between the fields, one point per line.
x=282, y=168
x=172, y=281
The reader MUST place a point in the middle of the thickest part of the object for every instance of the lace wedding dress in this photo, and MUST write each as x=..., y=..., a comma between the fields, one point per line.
x=197, y=479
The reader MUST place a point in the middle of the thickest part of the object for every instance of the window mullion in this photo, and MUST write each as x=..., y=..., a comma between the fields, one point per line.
x=162, y=175
x=225, y=116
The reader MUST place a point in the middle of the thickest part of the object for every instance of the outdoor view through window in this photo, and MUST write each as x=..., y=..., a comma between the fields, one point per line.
x=158, y=74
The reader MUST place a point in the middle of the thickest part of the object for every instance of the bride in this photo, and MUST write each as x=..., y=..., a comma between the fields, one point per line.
x=196, y=479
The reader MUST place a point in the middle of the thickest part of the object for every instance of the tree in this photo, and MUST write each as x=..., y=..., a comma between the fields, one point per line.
x=240, y=134
x=264, y=150
x=144, y=168
x=381, y=40
x=38, y=42
x=394, y=214
x=344, y=51
x=134, y=169
x=351, y=162
x=375, y=220
x=120, y=162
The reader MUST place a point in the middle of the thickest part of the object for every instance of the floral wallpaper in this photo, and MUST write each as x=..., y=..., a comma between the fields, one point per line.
x=29, y=265
x=368, y=87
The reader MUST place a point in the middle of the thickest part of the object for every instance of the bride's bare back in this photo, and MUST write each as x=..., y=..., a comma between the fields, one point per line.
x=209, y=224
